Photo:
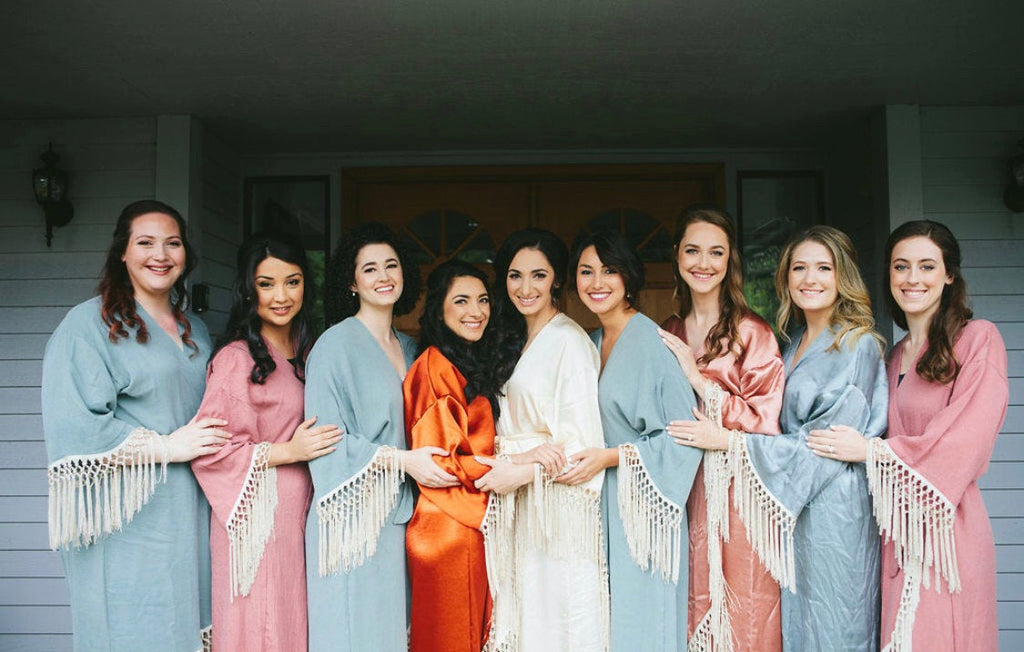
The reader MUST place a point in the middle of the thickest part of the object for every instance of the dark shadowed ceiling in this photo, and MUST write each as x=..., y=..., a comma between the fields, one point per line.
x=342, y=75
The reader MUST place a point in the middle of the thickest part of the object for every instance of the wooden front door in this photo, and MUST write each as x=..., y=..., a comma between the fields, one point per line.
x=468, y=211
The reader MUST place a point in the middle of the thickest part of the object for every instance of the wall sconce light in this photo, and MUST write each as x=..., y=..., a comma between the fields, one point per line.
x=50, y=186
x=1014, y=195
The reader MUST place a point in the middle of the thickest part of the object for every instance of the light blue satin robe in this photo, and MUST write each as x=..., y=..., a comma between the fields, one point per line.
x=640, y=391
x=147, y=586
x=350, y=382
x=836, y=542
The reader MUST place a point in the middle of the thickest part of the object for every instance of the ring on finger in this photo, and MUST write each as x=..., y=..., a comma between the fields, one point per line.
x=831, y=449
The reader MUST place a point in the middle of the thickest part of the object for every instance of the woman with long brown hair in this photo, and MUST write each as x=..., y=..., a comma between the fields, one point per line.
x=731, y=359
x=948, y=393
x=123, y=375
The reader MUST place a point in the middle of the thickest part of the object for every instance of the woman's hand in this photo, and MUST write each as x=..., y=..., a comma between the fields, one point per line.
x=841, y=443
x=420, y=464
x=589, y=462
x=307, y=443
x=687, y=361
x=550, y=456
x=504, y=476
x=702, y=433
x=196, y=438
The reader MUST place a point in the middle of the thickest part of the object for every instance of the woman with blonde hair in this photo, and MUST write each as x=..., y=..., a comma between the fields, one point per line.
x=731, y=359
x=809, y=517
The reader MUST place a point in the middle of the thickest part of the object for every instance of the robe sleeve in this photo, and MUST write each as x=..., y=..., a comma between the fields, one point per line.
x=358, y=485
x=575, y=415
x=102, y=469
x=655, y=474
x=756, y=406
x=437, y=415
x=776, y=477
x=918, y=481
x=239, y=485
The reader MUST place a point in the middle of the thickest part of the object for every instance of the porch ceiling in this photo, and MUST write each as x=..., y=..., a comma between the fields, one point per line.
x=344, y=75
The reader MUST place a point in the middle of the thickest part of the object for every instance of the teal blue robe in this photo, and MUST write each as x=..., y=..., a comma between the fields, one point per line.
x=362, y=603
x=835, y=605
x=145, y=586
x=640, y=391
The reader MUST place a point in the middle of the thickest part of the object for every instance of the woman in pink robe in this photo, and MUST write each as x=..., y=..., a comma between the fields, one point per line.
x=734, y=603
x=948, y=393
x=258, y=484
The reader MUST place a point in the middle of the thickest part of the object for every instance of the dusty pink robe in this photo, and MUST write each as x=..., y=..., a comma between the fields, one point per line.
x=269, y=554
x=753, y=385
x=946, y=434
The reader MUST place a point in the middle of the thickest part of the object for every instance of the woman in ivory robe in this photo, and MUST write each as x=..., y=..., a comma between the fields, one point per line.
x=808, y=517
x=545, y=558
x=731, y=359
x=355, y=533
x=948, y=394
x=258, y=484
x=449, y=399
x=123, y=375
x=648, y=477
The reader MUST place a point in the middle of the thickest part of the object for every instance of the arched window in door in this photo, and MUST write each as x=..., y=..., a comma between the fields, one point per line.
x=443, y=234
x=649, y=237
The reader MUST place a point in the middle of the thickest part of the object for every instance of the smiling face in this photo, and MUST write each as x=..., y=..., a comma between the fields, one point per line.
x=703, y=257
x=529, y=281
x=279, y=290
x=812, y=278
x=917, y=276
x=378, y=276
x=467, y=308
x=155, y=255
x=601, y=288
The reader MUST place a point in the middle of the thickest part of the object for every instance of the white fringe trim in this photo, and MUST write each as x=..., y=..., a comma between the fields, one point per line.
x=94, y=495
x=251, y=522
x=500, y=559
x=651, y=521
x=715, y=628
x=352, y=516
x=914, y=515
x=206, y=638
x=768, y=523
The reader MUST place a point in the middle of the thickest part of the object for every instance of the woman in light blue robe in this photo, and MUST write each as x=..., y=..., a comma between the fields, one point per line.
x=128, y=517
x=355, y=533
x=810, y=517
x=648, y=476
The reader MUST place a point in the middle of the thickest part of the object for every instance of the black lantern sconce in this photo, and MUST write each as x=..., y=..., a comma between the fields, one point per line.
x=1014, y=195
x=50, y=186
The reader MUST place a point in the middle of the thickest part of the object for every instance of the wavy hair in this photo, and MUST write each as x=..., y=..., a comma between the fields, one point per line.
x=507, y=323
x=724, y=335
x=115, y=287
x=938, y=364
x=470, y=358
x=244, y=322
x=339, y=301
x=852, y=309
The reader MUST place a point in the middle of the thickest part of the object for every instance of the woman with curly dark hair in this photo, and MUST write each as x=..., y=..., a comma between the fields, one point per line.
x=123, y=375
x=258, y=484
x=948, y=395
x=449, y=403
x=356, y=588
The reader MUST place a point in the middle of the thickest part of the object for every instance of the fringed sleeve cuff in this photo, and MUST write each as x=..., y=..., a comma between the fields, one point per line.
x=351, y=517
x=768, y=523
x=651, y=521
x=913, y=514
x=499, y=555
x=94, y=495
x=206, y=638
x=251, y=521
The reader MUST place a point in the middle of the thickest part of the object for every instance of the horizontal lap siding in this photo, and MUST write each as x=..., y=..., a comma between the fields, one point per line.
x=964, y=173
x=110, y=163
x=221, y=226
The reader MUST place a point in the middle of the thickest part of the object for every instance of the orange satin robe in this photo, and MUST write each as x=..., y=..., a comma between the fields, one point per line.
x=754, y=384
x=451, y=601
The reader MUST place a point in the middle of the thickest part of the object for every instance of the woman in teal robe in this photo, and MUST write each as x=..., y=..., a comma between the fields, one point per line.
x=648, y=477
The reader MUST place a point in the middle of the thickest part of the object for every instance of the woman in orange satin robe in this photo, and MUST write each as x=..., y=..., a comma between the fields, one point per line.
x=449, y=398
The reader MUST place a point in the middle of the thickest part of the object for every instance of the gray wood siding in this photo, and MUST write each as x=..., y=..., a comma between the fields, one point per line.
x=963, y=160
x=221, y=194
x=110, y=162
